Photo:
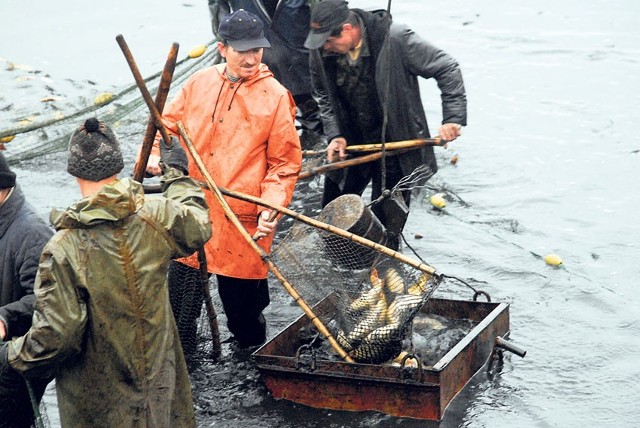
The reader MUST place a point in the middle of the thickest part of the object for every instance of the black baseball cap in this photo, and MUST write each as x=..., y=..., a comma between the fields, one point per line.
x=243, y=31
x=325, y=17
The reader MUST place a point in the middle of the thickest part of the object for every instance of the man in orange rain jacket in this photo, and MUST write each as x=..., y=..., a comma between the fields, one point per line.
x=241, y=121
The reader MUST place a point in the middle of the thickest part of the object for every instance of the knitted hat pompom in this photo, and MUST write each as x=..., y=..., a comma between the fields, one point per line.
x=94, y=152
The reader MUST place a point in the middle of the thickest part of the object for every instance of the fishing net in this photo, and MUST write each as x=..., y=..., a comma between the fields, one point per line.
x=187, y=297
x=195, y=316
x=43, y=125
x=373, y=292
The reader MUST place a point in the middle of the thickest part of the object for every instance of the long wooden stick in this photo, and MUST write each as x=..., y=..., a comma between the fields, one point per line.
x=245, y=234
x=346, y=163
x=395, y=145
x=161, y=98
x=212, y=316
x=157, y=120
x=35, y=405
x=143, y=89
x=332, y=229
x=320, y=225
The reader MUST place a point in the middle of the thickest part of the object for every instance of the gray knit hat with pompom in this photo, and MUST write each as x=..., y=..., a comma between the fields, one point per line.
x=94, y=152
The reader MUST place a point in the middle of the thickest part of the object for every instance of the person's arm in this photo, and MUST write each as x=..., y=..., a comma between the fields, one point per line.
x=266, y=225
x=321, y=95
x=59, y=318
x=217, y=9
x=337, y=143
x=284, y=159
x=185, y=213
x=15, y=317
x=428, y=61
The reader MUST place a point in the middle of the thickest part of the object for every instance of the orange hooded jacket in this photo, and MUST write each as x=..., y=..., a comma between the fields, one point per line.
x=246, y=136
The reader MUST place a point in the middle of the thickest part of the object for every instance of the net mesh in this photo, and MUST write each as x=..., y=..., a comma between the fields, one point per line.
x=196, y=318
x=374, y=293
x=44, y=126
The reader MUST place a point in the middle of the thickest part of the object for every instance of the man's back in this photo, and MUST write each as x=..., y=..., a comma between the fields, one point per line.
x=104, y=309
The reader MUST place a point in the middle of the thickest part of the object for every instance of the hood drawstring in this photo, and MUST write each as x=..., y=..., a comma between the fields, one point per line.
x=238, y=82
x=215, y=106
x=234, y=94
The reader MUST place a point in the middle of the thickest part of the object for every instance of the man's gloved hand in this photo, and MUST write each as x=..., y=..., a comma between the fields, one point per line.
x=173, y=156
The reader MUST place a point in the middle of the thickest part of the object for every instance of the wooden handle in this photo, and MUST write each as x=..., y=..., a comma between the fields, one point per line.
x=394, y=145
x=272, y=216
x=346, y=163
x=161, y=98
x=143, y=89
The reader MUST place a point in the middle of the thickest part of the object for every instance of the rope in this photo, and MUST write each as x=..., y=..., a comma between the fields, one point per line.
x=45, y=123
x=476, y=292
x=52, y=136
x=34, y=404
x=385, y=104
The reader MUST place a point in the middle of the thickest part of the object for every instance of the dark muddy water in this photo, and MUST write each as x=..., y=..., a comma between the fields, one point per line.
x=548, y=164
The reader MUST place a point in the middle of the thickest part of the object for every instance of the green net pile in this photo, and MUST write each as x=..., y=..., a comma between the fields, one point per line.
x=44, y=125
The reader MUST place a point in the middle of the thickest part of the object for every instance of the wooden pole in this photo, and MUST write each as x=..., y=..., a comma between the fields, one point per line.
x=346, y=163
x=332, y=229
x=143, y=89
x=157, y=120
x=212, y=316
x=323, y=226
x=245, y=234
x=405, y=144
x=161, y=98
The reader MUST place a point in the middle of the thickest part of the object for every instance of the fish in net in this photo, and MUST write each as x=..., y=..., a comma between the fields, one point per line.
x=374, y=292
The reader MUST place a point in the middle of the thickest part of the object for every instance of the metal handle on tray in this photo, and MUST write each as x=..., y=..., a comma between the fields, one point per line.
x=508, y=346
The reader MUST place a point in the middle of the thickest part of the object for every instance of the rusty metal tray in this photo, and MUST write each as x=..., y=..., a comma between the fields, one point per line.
x=422, y=392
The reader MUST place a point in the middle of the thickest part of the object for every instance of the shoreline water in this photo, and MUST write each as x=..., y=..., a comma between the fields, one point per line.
x=547, y=164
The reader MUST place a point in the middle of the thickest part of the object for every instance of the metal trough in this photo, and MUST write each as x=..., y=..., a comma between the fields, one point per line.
x=422, y=392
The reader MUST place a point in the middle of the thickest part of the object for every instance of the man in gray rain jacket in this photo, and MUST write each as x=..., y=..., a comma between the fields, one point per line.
x=102, y=323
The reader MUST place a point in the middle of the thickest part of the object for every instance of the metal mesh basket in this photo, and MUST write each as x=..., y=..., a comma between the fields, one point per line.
x=376, y=291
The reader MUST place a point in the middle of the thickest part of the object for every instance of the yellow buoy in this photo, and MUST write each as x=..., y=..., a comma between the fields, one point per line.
x=197, y=51
x=103, y=98
x=553, y=260
x=437, y=201
x=7, y=139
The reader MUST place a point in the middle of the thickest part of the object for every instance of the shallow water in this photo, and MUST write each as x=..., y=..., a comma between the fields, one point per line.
x=548, y=163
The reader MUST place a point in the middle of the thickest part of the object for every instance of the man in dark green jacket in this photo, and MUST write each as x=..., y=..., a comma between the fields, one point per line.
x=103, y=323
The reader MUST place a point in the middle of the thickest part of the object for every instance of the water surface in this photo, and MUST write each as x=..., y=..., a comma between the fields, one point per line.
x=548, y=164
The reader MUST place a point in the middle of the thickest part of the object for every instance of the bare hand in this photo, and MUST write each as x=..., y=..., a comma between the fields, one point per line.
x=450, y=131
x=153, y=165
x=3, y=331
x=336, y=149
x=265, y=227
